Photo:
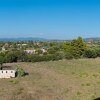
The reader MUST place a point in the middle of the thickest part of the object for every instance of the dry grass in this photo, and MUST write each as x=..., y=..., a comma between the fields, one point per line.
x=58, y=80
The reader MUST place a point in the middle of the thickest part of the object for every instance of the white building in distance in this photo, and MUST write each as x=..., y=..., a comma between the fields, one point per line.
x=30, y=51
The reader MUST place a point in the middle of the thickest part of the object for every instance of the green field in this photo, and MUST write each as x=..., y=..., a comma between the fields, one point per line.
x=59, y=80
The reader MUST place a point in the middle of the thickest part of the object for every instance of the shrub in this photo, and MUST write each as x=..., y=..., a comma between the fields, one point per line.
x=90, y=53
x=51, y=51
x=57, y=56
x=98, y=52
x=20, y=71
x=36, y=58
x=68, y=56
x=11, y=57
x=49, y=57
x=79, y=93
x=14, y=81
x=22, y=55
x=61, y=55
x=39, y=51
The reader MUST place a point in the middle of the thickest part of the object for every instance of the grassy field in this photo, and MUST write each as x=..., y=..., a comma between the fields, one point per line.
x=58, y=80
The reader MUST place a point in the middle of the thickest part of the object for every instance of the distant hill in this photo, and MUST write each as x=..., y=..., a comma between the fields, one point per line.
x=28, y=39
x=42, y=39
x=93, y=39
x=23, y=39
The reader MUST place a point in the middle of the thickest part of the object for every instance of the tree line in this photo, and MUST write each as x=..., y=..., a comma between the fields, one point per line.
x=74, y=49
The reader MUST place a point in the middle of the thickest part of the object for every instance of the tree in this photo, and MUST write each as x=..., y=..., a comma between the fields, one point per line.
x=21, y=55
x=78, y=46
x=75, y=47
x=11, y=57
x=39, y=51
x=1, y=61
x=52, y=50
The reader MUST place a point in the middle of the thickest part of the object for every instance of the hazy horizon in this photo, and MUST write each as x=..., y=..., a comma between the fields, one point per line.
x=49, y=19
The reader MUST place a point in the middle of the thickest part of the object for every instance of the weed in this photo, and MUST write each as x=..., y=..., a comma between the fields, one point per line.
x=73, y=73
x=94, y=75
x=93, y=96
x=66, y=90
x=88, y=84
x=14, y=81
x=19, y=91
x=82, y=84
x=83, y=75
x=98, y=83
x=79, y=93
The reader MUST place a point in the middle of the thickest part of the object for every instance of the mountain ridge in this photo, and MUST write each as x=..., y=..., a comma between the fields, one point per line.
x=43, y=39
x=23, y=39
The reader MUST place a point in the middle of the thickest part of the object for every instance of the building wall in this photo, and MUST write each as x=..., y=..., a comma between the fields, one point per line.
x=7, y=73
x=30, y=51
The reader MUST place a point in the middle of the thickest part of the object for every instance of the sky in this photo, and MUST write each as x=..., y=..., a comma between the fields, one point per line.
x=50, y=19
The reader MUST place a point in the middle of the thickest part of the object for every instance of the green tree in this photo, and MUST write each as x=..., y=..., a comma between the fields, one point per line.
x=11, y=57
x=78, y=46
x=39, y=51
x=75, y=47
x=1, y=61
x=51, y=50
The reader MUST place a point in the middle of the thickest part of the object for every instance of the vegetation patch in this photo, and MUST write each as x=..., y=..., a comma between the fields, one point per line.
x=95, y=75
x=66, y=90
x=79, y=93
x=14, y=81
x=20, y=71
x=87, y=84
x=83, y=75
x=98, y=82
x=49, y=80
x=93, y=96
x=19, y=91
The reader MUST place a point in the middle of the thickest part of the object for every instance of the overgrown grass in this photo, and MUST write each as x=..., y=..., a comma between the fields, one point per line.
x=58, y=80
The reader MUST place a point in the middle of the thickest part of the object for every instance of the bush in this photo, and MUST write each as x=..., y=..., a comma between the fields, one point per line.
x=21, y=55
x=20, y=71
x=51, y=51
x=36, y=58
x=11, y=57
x=90, y=53
x=68, y=56
x=57, y=56
x=98, y=52
x=48, y=57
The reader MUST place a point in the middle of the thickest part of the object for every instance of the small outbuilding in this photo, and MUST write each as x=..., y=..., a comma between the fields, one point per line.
x=7, y=73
